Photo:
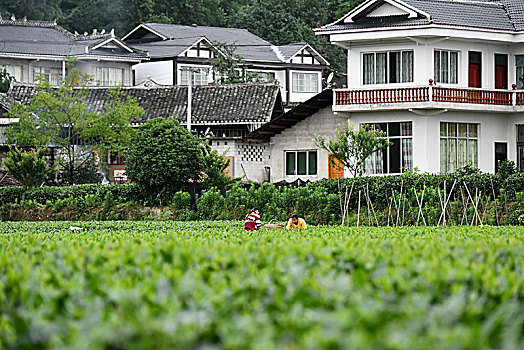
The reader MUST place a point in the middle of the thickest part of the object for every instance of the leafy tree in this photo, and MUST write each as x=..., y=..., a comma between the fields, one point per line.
x=163, y=157
x=28, y=168
x=229, y=67
x=5, y=80
x=214, y=168
x=352, y=147
x=58, y=117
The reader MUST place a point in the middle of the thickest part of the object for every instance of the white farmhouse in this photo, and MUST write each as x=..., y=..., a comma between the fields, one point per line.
x=443, y=79
x=179, y=52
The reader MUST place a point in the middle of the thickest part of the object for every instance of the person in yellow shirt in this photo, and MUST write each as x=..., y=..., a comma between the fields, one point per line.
x=296, y=222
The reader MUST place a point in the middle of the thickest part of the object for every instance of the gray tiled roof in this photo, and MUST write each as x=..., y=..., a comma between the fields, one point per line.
x=49, y=39
x=217, y=104
x=507, y=15
x=290, y=49
x=5, y=103
x=248, y=45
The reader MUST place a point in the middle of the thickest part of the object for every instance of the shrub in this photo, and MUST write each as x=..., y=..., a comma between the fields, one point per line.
x=163, y=158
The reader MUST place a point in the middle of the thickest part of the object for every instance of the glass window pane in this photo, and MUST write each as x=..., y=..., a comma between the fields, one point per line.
x=301, y=163
x=520, y=158
x=438, y=71
x=407, y=153
x=290, y=163
x=452, y=130
x=394, y=157
x=312, y=163
x=444, y=67
x=473, y=153
x=443, y=129
x=394, y=67
x=407, y=129
x=473, y=132
x=462, y=152
x=463, y=130
x=369, y=68
x=407, y=66
x=520, y=133
x=381, y=68
x=443, y=155
x=452, y=155
x=394, y=129
x=453, y=67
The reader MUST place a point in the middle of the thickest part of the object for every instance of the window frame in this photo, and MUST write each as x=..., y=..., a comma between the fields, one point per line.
x=109, y=82
x=438, y=75
x=387, y=151
x=519, y=70
x=54, y=72
x=296, y=88
x=387, y=78
x=13, y=67
x=295, y=171
x=202, y=78
x=457, y=138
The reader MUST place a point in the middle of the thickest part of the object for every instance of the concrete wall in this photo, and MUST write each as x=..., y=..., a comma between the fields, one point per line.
x=300, y=137
x=249, y=159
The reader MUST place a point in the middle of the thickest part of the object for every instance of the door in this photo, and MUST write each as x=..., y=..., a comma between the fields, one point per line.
x=475, y=69
x=335, y=168
x=501, y=71
x=501, y=154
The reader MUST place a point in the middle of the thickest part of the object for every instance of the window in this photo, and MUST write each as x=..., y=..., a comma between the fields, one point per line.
x=51, y=75
x=198, y=76
x=397, y=157
x=264, y=77
x=301, y=163
x=305, y=82
x=115, y=159
x=520, y=147
x=107, y=76
x=519, y=63
x=14, y=71
x=446, y=67
x=458, y=146
x=388, y=67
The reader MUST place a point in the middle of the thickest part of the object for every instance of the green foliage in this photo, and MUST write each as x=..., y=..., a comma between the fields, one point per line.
x=58, y=116
x=5, y=80
x=214, y=167
x=352, y=147
x=209, y=284
x=29, y=168
x=163, y=157
x=229, y=67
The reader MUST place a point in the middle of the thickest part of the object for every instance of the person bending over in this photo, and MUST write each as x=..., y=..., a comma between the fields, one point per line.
x=252, y=220
x=296, y=222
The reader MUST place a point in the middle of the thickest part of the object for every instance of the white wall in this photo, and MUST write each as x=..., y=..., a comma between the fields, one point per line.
x=423, y=60
x=300, y=138
x=159, y=72
x=303, y=96
x=426, y=134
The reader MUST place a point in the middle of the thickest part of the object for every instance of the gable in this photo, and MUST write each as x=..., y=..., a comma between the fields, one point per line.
x=383, y=8
x=305, y=56
x=201, y=49
x=387, y=10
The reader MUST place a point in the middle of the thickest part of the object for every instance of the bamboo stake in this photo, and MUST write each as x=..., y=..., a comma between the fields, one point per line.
x=446, y=202
x=394, y=200
x=358, y=210
x=389, y=209
x=420, y=212
x=495, y=200
x=474, y=205
x=399, y=198
x=464, y=208
x=369, y=211
x=346, y=202
x=371, y=203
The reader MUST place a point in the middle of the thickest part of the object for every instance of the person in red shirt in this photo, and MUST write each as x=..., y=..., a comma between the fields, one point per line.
x=252, y=220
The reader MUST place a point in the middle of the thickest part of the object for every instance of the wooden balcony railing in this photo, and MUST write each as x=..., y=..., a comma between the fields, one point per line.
x=345, y=97
x=475, y=96
x=398, y=95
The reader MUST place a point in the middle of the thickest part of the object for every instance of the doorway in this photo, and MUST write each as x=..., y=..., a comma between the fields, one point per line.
x=501, y=71
x=475, y=69
x=501, y=154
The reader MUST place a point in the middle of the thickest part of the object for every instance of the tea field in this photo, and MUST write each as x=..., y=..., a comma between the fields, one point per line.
x=209, y=285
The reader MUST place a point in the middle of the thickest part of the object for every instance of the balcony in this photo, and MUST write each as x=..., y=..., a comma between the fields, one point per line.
x=428, y=97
